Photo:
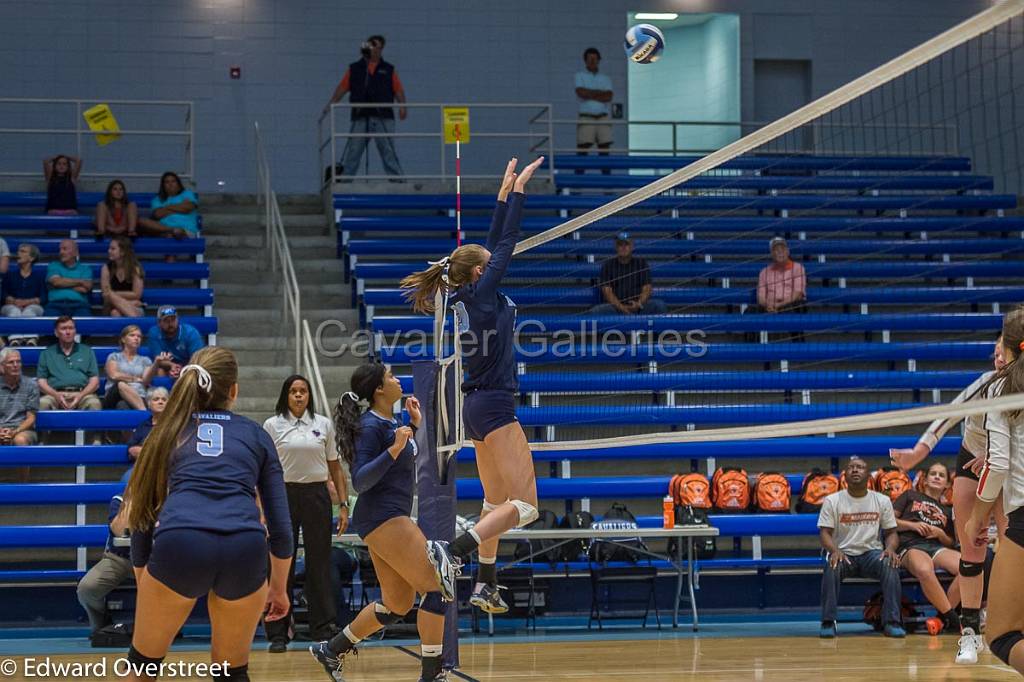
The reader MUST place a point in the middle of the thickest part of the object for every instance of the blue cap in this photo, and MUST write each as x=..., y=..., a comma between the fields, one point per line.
x=166, y=311
x=622, y=237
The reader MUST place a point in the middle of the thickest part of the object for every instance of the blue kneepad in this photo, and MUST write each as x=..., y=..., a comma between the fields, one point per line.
x=432, y=603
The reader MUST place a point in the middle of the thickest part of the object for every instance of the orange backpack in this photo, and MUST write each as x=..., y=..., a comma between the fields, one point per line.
x=690, y=490
x=772, y=493
x=730, y=490
x=890, y=480
x=817, y=485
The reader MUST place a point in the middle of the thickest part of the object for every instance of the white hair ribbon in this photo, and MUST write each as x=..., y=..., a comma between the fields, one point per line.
x=351, y=396
x=202, y=376
x=443, y=263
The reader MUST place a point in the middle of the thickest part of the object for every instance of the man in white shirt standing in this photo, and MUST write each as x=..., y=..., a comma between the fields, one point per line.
x=849, y=524
x=594, y=92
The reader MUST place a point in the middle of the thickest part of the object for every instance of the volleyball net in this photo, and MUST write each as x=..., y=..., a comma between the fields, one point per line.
x=895, y=196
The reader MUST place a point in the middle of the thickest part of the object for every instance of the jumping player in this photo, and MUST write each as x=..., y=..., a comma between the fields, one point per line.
x=381, y=455
x=197, y=528
x=968, y=465
x=486, y=321
x=1003, y=473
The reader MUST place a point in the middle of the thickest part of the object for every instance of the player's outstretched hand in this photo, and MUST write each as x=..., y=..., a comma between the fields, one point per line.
x=508, y=180
x=412, y=406
x=524, y=177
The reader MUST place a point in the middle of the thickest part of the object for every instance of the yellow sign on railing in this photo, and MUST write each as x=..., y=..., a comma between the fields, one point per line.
x=101, y=120
x=456, y=125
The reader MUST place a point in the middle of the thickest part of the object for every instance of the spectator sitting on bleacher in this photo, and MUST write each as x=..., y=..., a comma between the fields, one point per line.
x=625, y=283
x=60, y=173
x=849, y=524
x=116, y=215
x=5, y=256
x=128, y=373
x=781, y=286
x=157, y=402
x=175, y=211
x=67, y=372
x=24, y=292
x=69, y=283
x=121, y=280
x=19, y=402
x=928, y=542
x=112, y=571
x=172, y=343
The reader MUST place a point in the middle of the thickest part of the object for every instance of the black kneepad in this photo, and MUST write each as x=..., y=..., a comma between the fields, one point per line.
x=432, y=603
x=386, y=617
x=1002, y=645
x=144, y=664
x=970, y=569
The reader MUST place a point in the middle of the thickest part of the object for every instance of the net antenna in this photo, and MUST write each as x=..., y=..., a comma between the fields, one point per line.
x=906, y=62
x=450, y=429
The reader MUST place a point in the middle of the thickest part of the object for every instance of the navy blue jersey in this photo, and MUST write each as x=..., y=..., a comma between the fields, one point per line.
x=140, y=433
x=214, y=475
x=486, y=317
x=385, y=485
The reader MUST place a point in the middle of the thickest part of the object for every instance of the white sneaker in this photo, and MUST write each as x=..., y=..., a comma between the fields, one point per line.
x=968, y=648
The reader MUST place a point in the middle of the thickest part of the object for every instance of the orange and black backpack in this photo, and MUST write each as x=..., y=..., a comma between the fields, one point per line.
x=690, y=490
x=817, y=485
x=730, y=490
x=771, y=493
x=891, y=481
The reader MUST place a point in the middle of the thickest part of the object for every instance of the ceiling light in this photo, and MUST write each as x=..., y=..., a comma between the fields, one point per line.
x=657, y=16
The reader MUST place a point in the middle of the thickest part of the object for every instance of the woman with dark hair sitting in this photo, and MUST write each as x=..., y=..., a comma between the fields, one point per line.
x=928, y=541
x=175, y=210
x=116, y=215
x=306, y=445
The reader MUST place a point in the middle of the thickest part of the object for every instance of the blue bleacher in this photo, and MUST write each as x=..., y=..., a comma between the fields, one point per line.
x=872, y=270
x=657, y=249
x=964, y=351
x=97, y=326
x=789, y=202
x=786, y=182
x=782, y=322
x=143, y=247
x=38, y=199
x=579, y=296
x=702, y=224
x=756, y=162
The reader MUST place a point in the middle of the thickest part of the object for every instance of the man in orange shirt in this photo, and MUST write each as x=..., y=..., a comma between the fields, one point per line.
x=782, y=285
x=371, y=79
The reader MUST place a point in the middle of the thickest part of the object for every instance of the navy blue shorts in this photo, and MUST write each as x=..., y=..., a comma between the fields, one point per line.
x=193, y=562
x=484, y=411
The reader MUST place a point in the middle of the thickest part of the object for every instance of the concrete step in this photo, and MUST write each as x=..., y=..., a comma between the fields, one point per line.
x=300, y=254
x=254, y=219
x=310, y=265
x=278, y=373
x=339, y=292
x=311, y=299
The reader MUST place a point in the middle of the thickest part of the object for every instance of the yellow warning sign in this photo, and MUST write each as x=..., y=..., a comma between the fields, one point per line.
x=456, y=125
x=101, y=120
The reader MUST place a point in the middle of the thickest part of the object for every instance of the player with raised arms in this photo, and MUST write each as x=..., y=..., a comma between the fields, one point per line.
x=486, y=321
x=197, y=528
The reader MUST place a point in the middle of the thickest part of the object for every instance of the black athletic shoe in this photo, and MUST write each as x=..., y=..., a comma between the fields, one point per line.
x=446, y=567
x=277, y=646
x=488, y=599
x=333, y=664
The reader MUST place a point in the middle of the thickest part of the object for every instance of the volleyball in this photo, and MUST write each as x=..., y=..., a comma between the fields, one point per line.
x=644, y=43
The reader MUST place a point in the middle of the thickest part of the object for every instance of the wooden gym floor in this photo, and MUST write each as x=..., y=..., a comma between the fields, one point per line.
x=720, y=657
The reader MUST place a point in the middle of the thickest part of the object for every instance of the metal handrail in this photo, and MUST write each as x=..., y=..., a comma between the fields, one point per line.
x=331, y=139
x=82, y=133
x=280, y=256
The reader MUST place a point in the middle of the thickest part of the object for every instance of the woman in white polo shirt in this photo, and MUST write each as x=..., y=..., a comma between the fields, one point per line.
x=305, y=443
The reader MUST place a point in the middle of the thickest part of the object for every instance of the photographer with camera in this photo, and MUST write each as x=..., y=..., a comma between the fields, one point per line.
x=371, y=79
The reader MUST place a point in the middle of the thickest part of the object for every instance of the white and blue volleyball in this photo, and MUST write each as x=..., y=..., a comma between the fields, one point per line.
x=644, y=43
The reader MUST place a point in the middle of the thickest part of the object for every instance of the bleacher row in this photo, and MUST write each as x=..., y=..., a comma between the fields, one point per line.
x=916, y=234
x=20, y=222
